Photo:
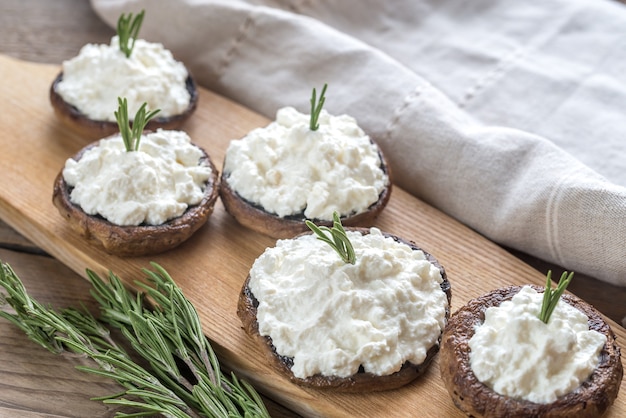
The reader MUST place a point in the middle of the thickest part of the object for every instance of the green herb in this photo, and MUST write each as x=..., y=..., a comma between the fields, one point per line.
x=131, y=134
x=184, y=379
x=338, y=239
x=127, y=29
x=316, y=108
x=551, y=296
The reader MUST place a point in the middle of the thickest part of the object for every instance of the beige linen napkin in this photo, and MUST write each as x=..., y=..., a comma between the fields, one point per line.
x=507, y=115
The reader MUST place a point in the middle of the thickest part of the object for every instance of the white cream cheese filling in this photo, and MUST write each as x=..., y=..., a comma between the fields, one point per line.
x=99, y=74
x=152, y=185
x=517, y=355
x=288, y=169
x=333, y=317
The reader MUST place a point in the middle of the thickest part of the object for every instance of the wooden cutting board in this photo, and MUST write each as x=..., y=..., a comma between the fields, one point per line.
x=212, y=265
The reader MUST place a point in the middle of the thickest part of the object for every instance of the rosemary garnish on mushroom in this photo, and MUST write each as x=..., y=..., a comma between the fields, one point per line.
x=182, y=378
x=131, y=135
x=316, y=107
x=551, y=296
x=338, y=240
x=127, y=31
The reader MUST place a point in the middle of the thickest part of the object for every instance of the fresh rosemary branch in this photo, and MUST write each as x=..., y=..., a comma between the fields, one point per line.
x=338, y=240
x=127, y=30
x=185, y=379
x=131, y=135
x=551, y=296
x=170, y=338
x=79, y=332
x=316, y=108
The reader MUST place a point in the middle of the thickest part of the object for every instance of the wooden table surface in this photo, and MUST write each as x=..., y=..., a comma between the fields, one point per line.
x=49, y=32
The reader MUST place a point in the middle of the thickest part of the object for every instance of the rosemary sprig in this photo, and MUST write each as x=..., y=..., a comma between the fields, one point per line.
x=338, y=240
x=184, y=379
x=316, y=108
x=551, y=296
x=170, y=337
x=127, y=31
x=131, y=133
x=80, y=332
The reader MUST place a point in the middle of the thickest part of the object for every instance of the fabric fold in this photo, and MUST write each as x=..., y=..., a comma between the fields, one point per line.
x=507, y=181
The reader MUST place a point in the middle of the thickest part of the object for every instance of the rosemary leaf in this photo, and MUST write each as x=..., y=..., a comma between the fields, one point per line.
x=131, y=133
x=316, y=108
x=338, y=240
x=551, y=296
x=128, y=30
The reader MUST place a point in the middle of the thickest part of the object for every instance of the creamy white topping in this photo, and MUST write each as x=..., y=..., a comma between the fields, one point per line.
x=286, y=168
x=331, y=316
x=93, y=80
x=517, y=355
x=152, y=185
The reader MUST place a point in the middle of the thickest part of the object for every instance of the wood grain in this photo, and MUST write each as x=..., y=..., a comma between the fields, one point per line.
x=49, y=31
x=212, y=265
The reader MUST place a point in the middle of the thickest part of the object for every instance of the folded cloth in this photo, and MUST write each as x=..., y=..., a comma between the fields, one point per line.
x=508, y=116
